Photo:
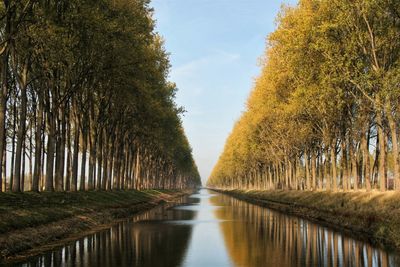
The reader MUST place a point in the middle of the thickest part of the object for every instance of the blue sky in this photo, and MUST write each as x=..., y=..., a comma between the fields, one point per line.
x=214, y=48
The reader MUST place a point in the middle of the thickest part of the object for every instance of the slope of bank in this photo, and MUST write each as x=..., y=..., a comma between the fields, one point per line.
x=368, y=215
x=35, y=222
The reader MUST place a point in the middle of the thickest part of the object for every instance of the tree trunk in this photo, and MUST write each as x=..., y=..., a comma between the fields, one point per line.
x=61, y=156
x=83, y=162
x=4, y=163
x=366, y=163
x=23, y=172
x=105, y=162
x=22, y=82
x=111, y=165
x=69, y=153
x=307, y=171
x=137, y=169
x=333, y=165
x=313, y=170
x=3, y=98
x=31, y=154
x=382, y=152
x=75, y=159
x=344, y=163
x=326, y=170
x=353, y=159
x=50, y=153
x=99, y=158
x=395, y=149
x=38, y=146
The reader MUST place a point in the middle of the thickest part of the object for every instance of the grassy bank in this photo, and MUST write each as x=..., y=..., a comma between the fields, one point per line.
x=370, y=215
x=34, y=222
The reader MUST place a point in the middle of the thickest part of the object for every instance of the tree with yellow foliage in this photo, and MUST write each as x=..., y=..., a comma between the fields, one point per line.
x=324, y=112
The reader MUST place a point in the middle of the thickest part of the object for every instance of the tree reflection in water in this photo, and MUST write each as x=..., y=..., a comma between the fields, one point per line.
x=142, y=241
x=257, y=236
x=217, y=230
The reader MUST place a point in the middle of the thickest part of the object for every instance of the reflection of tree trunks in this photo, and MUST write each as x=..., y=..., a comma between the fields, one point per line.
x=330, y=254
x=369, y=256
x=346, y=249
x=336, y=249
x=306, y=234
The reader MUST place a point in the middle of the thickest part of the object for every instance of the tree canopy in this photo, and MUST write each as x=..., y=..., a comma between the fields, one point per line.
x=85, y=99
x=324, y=112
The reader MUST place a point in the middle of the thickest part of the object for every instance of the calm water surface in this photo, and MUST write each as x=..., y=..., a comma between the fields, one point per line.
x=209, y=230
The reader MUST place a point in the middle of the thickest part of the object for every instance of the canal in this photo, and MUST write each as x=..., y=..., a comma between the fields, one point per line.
x=209, y=229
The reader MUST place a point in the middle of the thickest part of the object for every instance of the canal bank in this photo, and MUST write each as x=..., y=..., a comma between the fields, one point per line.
x=212, y=229
x=31, y=223
x=371, y=216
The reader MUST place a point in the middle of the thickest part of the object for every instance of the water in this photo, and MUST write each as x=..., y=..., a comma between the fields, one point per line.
x=210, y=230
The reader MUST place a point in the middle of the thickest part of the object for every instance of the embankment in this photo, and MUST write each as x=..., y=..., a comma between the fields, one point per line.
x=374, y=216
x=31, y=223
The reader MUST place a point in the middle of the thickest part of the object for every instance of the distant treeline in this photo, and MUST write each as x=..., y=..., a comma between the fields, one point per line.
x=84, y=100
x=325, y=111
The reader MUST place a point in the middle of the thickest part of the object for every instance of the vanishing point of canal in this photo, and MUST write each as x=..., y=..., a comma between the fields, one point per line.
x=209, y=229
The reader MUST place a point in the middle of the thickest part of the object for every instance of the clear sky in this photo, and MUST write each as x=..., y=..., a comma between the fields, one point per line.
x=215, y=46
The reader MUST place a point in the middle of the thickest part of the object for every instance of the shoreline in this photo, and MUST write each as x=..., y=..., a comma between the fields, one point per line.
x=26, y=241
x=370, y=216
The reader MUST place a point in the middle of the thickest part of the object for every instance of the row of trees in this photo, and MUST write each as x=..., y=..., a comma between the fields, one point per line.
x=325, y=111
x=85, y=102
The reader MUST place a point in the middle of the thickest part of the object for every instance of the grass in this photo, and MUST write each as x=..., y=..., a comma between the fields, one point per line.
x=30, y=220
x=30, y=209
x=372, y=215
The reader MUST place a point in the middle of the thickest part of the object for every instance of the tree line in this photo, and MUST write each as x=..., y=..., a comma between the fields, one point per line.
x=325, y=111
x=85, y=101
